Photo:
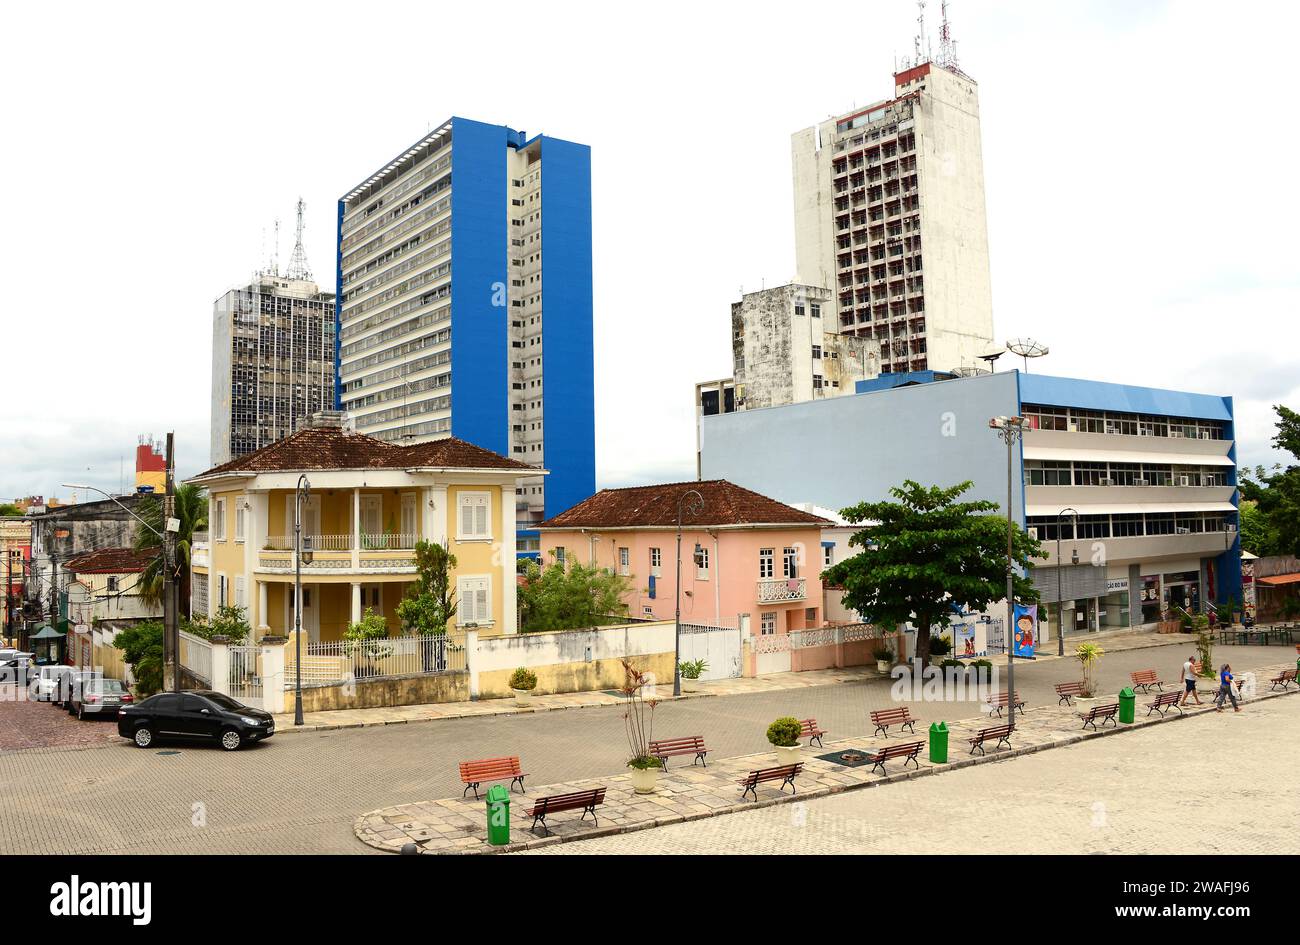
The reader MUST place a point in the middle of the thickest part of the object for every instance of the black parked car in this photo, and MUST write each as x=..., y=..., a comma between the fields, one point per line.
x=194, y=714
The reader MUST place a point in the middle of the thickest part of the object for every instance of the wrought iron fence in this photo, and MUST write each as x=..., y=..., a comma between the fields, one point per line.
x=348, y=660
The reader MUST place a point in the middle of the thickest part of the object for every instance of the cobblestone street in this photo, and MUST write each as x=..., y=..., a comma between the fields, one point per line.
x=301, y=793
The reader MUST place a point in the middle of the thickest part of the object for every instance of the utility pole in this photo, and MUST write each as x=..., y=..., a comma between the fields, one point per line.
x=171, y=636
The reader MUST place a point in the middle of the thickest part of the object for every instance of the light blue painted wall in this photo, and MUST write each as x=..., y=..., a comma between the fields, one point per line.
x=844, y=450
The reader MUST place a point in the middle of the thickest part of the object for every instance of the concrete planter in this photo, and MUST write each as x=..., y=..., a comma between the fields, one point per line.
x=883, y=666
x=522, y=697
x=644, y=780
x=790, y=755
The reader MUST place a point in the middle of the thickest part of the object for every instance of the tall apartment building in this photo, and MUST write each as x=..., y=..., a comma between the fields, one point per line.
x=881, y=190
x=272, y=361
x=460, y=296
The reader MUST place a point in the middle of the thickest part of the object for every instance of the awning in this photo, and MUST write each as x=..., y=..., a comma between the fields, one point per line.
x=1278, y=579
x=46, y=633
x=1125, y=456
x=1131, y=508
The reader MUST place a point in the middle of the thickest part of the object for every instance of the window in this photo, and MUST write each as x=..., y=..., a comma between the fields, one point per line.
x=474, y=519
x=702, y=564
x=1089, y=474
x=240, y=591
x=475, y=595
x=112, y=584
x=767, y=623
x=790, y=563
x=559, y=556
x=1048, y=473
x=221, y=590
x=219, y=521
x=765, y=559
x=656, y=561
x=624, y=560
x=817, y=352
x=815, y=309
x=199, y=594
x=828, y=555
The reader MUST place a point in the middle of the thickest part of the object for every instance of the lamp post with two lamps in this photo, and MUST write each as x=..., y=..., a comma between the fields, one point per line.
x=1009, y=429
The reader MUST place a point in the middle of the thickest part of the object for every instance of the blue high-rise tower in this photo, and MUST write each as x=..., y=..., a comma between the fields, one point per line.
x=465, y=304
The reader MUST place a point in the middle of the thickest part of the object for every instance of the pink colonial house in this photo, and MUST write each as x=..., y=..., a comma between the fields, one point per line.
x=747, y=561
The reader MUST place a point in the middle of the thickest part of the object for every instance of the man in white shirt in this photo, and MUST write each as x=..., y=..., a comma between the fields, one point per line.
x=1189, y=680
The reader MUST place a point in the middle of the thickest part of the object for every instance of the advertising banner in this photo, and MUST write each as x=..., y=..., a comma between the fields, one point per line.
x=1025, y=634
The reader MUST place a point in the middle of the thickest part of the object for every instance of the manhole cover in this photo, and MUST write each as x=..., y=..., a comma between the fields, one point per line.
x=172, y=752
x=848, y=757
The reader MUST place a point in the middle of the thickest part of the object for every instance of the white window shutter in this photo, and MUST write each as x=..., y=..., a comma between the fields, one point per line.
x=481, y=518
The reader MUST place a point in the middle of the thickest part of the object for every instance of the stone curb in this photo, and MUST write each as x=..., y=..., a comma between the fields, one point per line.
x=1075, y=738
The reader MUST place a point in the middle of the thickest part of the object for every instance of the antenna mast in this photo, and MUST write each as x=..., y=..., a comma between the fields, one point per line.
x=919, y=43
x=298, y=268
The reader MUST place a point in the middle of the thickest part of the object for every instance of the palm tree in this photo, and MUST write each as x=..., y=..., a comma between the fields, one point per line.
x=192, y=510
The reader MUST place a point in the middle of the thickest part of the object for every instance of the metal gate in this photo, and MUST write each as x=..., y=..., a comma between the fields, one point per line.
x=244, y=682
x=719, y=647
x=995, y=637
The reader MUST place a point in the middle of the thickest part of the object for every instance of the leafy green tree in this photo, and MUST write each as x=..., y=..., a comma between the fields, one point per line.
x=927, y=554
x=366, y=636
x=229, y=621
x=1257, y=534
x=560, y=598
x=8, y=508
x=142, y=647
x=430, y=602
x=1274, y=524
x=192, y=511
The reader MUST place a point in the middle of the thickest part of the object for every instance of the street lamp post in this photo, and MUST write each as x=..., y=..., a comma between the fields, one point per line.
x=301, y=493
x=694, y=508
x=1060, y=604
x=1009, y=429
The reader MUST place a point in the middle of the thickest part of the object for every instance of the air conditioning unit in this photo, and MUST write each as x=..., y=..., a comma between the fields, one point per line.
x=1033, y=532
x=1182, y=531
x=1178, y=433
x=1229, y=527
x=1106, y=482
x=1140, y=482
x=1184, y=480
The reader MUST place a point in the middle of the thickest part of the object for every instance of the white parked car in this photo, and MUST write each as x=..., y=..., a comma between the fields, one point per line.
x=47, y=683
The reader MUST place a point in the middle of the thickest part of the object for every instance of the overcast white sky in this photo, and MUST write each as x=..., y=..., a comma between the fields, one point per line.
x=1140, y=163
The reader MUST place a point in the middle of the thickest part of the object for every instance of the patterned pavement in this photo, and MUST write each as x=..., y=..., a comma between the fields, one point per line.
x=688, y=793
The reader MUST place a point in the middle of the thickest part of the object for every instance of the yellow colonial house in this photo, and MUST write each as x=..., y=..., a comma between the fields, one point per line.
x=370, y=502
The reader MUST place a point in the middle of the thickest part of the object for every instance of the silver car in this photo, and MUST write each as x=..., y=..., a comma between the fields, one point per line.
x=100, y=698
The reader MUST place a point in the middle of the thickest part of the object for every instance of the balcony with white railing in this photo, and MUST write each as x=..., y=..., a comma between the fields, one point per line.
x=782, y=590
x=309, y=543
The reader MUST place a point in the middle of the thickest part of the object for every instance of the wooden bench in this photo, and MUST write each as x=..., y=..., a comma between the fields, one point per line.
x=1104, y=712
x=999, y=702
x=999, y=734
x=1164, y=701
x=474, y=773
x=905, y=749
x=1283, y=679
x=1065, y=691
x=689, y=745
x=1144, y=679
x=785, y=774
x=808, y=729
x=883, y=718
x=586, y=801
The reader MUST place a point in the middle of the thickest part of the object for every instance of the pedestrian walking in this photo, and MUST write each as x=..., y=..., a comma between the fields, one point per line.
x=1225, y=689
x=1190, y=670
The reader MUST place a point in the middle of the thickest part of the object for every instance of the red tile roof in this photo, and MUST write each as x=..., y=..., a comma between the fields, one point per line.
x=332, y=448
x=111, y=561
x=725, y=503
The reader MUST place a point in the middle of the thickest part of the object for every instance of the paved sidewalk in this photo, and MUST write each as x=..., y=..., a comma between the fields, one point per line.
x=775, y=682
x=686, y=792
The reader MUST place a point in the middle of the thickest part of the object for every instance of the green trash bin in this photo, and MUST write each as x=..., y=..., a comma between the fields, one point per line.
x=1126, y=703
x=939, y=742
x=498, y=815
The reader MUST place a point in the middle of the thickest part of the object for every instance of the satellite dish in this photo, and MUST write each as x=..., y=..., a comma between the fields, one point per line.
x=971, y=370
x=990, y=358
x=1027, y=348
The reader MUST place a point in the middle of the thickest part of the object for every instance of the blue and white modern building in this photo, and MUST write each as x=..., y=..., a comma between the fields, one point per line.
x=1150, y=476
x=443, y=324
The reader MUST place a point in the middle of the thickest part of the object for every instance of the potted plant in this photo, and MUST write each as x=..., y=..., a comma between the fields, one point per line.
x=1088, y=655
x=784, y=736
x=691, y=671
x=884, y=658
x=940, y=646
x=981, y=669
x=522, y=683
x=638, y=722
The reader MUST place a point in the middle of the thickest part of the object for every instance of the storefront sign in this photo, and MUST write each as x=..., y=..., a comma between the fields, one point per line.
x=1115, y=585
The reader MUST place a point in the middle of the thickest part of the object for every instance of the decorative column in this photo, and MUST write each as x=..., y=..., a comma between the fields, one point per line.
x=356, y=528
x=471, y=662
x=272, y=658
x=356, y=602
x=263, y=607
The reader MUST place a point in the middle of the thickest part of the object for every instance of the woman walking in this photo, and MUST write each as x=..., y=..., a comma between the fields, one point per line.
x=1225, y=689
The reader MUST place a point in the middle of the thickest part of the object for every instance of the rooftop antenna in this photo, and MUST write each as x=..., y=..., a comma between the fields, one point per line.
x=275, y=262
x=919, y=42
x=1027, y=348
x=947, y=48
x=298, y=268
